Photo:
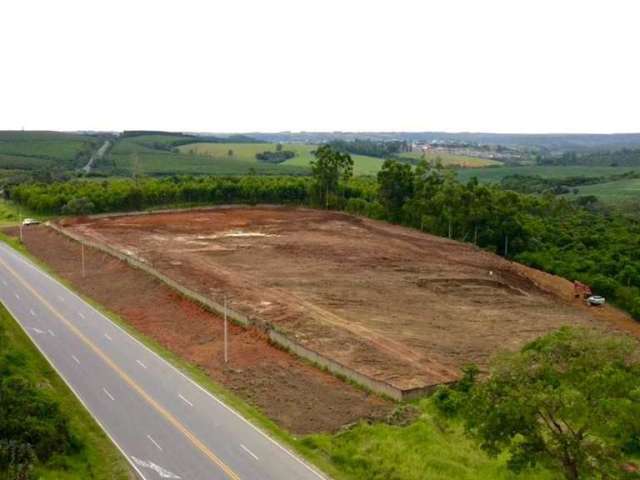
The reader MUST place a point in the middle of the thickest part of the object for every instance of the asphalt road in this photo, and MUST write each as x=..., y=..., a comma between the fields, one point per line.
x=163, y=423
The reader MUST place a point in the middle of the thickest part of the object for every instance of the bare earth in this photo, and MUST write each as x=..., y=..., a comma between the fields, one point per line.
x=298, y=396
x=392, y=303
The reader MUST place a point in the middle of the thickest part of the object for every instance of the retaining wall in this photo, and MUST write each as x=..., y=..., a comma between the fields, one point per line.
x=275, y=336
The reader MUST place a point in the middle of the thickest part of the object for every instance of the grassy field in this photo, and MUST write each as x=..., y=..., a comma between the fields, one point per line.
x=246, y=152
x=612, y=192
x=10, y=215
x=33, y=150
x=427, y=448
x=97, y=458
x=495, y=174
x=449, y=160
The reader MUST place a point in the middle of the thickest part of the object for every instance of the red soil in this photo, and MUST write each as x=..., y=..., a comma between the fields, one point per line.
x=392, y=303
x=296, y=395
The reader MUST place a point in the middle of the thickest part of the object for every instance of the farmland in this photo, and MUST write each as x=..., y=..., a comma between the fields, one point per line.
x=613, y=192
x=319, y=277
x=495, y=174
x=246, y=152
x=451, y=160
x=38, y=150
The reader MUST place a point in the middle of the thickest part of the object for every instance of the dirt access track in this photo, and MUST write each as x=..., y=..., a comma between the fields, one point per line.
x=390, y=303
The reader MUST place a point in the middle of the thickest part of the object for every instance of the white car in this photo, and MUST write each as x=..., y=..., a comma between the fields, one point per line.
x=30, y=221
x=595, y=300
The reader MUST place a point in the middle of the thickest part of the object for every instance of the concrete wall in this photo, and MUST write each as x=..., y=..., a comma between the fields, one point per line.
x=275, y=336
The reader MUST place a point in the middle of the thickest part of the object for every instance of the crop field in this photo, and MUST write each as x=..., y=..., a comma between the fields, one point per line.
x=392, y=304
x=157, y=155
x=246, y=152
x=495, y=174
x=613, y=192
x=32, y=150
x=450, y=160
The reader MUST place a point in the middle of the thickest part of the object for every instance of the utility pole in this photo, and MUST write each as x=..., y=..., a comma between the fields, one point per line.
x=82, y=254
x=226, y=350
x=20, y=220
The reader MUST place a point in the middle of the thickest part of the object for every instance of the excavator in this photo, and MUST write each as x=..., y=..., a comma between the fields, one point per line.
x=581, y=290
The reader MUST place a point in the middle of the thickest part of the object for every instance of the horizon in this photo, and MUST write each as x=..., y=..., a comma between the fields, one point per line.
x=325, y=132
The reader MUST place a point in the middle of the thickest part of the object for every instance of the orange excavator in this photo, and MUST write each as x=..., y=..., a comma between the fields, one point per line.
x=580, y=290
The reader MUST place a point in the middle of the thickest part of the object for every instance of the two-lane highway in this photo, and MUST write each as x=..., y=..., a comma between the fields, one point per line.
x=166, y=425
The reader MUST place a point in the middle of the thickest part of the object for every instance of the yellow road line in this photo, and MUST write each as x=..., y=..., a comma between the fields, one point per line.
x=161, y=410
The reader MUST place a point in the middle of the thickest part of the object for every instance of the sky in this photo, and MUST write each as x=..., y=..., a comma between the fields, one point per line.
x=536, y=66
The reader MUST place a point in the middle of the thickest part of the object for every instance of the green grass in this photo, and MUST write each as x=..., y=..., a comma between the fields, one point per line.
x=612, y=192
x=98, y=458
x=430, y=448
x=449, y=159
x=246, y=152
x=141, y=155
x=33, y=150
x=11, y=215
x=495, y=174
x=427, y=448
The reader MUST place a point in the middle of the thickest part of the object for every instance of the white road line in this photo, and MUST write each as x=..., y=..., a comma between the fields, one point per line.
x=75, y=359
x=141, y=364
x=37, y=330
x=33, y=314
x=82, y=402
x=286, y=450
x=81, y=315
x=154, y=442
x=107, y=393
x=51, y=333
x=185, y=400
x=17, y=296
x=106, y=335
x=249, y=452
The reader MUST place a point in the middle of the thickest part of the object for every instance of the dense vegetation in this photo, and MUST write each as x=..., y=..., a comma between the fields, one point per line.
x=559, y=186
x=568, y=401
x=44, y=433
x=625, y=157
x=371, y=148
x=278, y=156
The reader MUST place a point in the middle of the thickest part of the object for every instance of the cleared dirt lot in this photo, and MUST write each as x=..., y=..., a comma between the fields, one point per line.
x=298, y=396
x=394, y=304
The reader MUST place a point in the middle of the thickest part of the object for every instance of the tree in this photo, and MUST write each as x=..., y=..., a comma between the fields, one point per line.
x=569, y=401
x=395, y=187
x=230, y=153
x=279, y=147
x=329, y=167
x=78, y=206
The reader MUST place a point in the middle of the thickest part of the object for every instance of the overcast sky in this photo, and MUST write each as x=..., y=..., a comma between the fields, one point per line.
x=272, y=65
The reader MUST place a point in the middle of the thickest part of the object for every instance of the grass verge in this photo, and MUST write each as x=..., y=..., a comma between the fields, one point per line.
x=96, y=458
x=425, y=447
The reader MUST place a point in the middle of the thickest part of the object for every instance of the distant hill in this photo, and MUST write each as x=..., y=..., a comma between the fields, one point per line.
x=547, y=142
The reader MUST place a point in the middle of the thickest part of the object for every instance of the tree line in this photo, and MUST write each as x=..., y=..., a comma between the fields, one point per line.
x=371, y=148
x=550, y=233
